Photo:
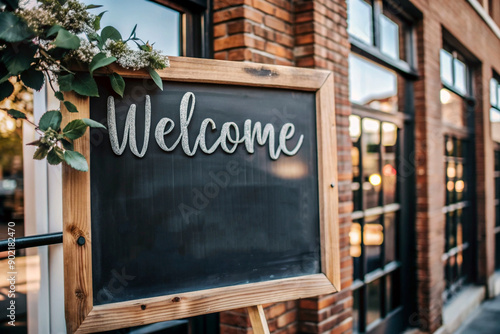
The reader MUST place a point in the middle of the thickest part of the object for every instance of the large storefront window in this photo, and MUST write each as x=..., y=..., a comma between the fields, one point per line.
x=177, y=27
x=458, y=167
x=379, y=72
x=495, y=135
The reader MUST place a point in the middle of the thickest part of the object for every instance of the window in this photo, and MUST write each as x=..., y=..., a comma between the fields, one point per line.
x=497, y=209
x=495, y=109
x=455, y=97
x=178, y=27
x=380, y=73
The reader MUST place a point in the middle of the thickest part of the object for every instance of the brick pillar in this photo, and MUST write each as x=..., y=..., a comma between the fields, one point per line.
x=306, y=33
x=321, y=41
x=429, y=151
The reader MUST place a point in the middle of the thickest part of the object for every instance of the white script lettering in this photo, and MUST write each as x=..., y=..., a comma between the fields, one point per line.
x=229, y=137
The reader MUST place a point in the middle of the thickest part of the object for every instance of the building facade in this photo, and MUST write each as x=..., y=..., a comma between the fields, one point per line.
x=417, y=102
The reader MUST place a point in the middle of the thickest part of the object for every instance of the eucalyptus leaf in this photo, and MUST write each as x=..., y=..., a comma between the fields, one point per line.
x=70, y=106
x=97, y=21
x=132, y=34
x=76, y=160
x=75, y=129
x=67, y=144
x=32, y=78
x=55, y=156
x=51, y=119
x=100, y=60
x=117, y=83
x=12, y=4
x=110, y=32
x=66, y=40
x=65, y=82
x=59, y=96
x=156, y=78
x=18, y=58
x=13, y=28
x=93, y=6
x=54, y=30
x=41, y=152
x=93, y=124
x=35, y=143
x=16, y=114
x=6, y=90
x=85, y=85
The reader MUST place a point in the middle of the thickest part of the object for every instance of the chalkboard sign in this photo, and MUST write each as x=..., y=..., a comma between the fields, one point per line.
x=215, y=193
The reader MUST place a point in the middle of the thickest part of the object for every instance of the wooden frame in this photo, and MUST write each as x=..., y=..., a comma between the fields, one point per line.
x=83, y=317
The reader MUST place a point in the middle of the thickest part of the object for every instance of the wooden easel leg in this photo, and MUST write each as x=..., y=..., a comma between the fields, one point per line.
x=258, y=319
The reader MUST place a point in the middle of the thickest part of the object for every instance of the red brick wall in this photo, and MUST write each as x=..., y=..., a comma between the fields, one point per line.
x=307, y=33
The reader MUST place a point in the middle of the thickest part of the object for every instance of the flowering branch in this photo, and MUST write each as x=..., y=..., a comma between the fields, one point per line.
x=40, y=43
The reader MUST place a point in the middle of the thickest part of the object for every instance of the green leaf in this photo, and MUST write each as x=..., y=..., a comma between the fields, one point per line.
x=51, y=119
x=66, y=40
x=67, y=144
x=6, y=90
x=100, y=60
x=110, y=33
x=32, y=78
x=16, y=114
x=62, y=2
x=85, y=85
x=59, y=96
x=35, y=143
x=70, y=106
x=132, y=34
x=65, y=82
x=13, y=28
x=93, y=6
x=117, y=83
x=41, y=152
x=93, y=124
x=97, y=21
x=76, y=160
x=4, y=72
x=55, y=156
x=54, y=30
x=75, y=129
x=156, y=78
x=18, y=57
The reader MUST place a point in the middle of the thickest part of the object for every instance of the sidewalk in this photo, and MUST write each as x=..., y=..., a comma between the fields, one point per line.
x=485, y=320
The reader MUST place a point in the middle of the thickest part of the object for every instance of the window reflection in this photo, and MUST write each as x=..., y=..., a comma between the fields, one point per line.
x=452, y=108
x=372, y=85
x=360, y=20
x=374, y=301
x=446, y=67
x=493, y=92
x=371, y=159
x=373, y=237
x=389, y=172
x=389, y=38
x=155, y=23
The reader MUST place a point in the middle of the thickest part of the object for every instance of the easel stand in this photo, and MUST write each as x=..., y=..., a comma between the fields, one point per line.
x=258, y=319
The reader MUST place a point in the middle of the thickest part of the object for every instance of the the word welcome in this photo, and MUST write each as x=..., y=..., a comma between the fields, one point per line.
x=229, y=137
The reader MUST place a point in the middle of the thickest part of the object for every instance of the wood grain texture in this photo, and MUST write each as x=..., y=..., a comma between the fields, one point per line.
x=76, y=223
x=327, y=174
x=183, y=305
x=258, y=319
x=83, y=317
x=234, y=73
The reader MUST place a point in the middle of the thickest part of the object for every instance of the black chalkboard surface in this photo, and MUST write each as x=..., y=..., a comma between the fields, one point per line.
x=170, y=223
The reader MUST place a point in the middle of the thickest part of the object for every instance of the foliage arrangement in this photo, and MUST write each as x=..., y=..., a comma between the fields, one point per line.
x=44, y=43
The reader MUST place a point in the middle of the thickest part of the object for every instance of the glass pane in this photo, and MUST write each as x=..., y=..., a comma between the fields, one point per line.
x=155, y=23
x=354, y=127
x=373, y=237
x=497, y=251
x=355, y=310
x=446, y=67
x=372, y=85
x=355, y=249
x=495, y=124
x=452, y=108
x=360, y=20
x=460, y=76
x=450, y=231
x=392, y=292
x=389, y=140
x=493, y=92
x=374, y=302
x=372, y=180
x=389, y=37
x=390, y=237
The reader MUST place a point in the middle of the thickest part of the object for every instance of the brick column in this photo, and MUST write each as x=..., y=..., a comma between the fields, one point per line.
x=306, y=33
